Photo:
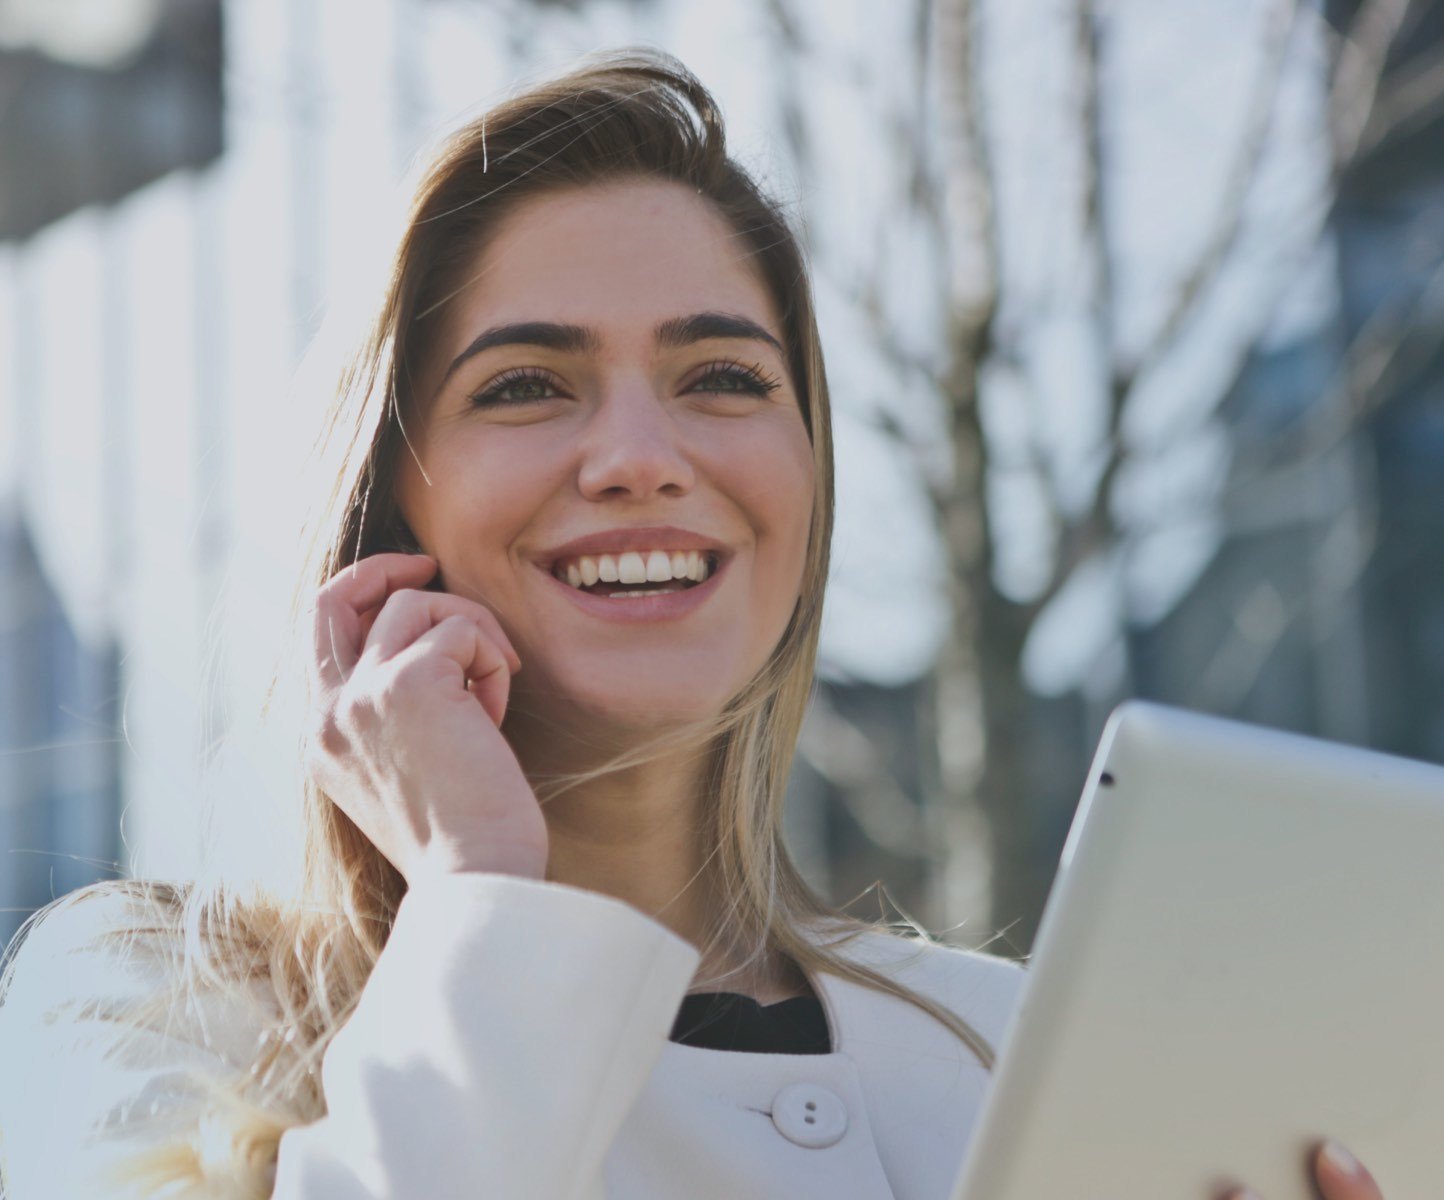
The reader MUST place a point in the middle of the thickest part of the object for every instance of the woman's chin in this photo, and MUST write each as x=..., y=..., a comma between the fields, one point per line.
x=649, y=710
x=622, y=711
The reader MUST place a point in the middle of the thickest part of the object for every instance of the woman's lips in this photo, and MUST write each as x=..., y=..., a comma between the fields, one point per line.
x=642, y=609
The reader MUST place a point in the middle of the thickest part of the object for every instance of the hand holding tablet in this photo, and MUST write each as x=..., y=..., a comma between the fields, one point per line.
x=1241, y=957
x=1339, y=1174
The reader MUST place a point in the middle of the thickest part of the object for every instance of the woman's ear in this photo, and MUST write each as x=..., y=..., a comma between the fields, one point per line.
x=407, y=543
x=402, y=540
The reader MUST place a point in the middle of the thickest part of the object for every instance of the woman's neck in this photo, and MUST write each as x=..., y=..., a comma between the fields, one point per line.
x=638, y=835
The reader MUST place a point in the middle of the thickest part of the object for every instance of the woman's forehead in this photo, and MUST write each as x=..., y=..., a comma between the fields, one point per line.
x=619, y=258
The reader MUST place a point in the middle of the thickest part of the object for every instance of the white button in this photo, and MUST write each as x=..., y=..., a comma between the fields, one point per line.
x=809, y=1115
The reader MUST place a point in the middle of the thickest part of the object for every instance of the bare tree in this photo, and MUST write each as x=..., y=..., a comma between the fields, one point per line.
x=979, y=830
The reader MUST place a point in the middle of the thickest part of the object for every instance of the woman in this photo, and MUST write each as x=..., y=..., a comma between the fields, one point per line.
x=559, y=639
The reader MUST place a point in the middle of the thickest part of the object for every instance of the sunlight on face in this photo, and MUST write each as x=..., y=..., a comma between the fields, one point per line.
x=610, y=390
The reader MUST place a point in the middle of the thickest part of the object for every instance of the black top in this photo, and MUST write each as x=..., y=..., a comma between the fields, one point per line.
x=729, y=1021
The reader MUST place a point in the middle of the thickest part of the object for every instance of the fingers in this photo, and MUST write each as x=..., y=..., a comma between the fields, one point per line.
x=350, y=606
x=337, y=625
x=484, y=668
x=403, y=621
x=1341, y=1176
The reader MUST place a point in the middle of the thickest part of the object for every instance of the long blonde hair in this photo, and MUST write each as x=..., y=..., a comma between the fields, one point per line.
x=620, y=115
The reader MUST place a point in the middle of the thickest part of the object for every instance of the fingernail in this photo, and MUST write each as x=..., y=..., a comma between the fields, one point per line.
x=1340, y=1159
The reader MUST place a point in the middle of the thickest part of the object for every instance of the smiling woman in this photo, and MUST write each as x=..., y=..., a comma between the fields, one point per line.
x=598, y=421
x=557, y=639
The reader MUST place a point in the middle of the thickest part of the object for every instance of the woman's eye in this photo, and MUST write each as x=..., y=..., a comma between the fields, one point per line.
x=736, y=379
x=514, y=387
x=527, y=386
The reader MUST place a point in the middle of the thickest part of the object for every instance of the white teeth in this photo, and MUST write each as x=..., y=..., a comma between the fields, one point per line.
x=631, y=568
x=634, y=566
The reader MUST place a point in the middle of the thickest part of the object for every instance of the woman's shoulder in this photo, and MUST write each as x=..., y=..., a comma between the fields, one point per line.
x=983, y=987
x=104, y=1031
x=106, y=972
x=112, y=937
x=909, y=950
x=110, y=904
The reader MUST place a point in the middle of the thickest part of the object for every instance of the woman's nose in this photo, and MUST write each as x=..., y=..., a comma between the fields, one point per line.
x=634, y=448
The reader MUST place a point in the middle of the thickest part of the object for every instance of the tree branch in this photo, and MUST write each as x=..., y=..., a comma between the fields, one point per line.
x=1229, y=224
x=845, y=757
x=970, y=177
x=1358, y=66
x=1405, y=104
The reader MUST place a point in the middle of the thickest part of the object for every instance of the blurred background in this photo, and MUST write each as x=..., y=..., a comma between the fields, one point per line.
x=1132, y=314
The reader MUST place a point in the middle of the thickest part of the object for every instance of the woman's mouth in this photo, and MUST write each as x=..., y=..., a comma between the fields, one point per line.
x=644, y=586
x=636, y=573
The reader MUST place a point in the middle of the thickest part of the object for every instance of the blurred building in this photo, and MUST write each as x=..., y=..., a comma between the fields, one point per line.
x=1324, y=613
x=1265, y=547
x=94, y=106
x=186, y=184
x=1391, y=238
x=1322, y=609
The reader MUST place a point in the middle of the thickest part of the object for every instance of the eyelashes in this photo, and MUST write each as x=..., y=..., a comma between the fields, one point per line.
x=753, y=380
x=495, y=394
x=527, y=385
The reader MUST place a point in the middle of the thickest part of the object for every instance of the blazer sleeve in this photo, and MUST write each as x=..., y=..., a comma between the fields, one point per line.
x=508, y=1028
x=503, y=1036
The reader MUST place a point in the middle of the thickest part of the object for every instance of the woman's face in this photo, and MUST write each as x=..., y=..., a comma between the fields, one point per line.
x=610, y=401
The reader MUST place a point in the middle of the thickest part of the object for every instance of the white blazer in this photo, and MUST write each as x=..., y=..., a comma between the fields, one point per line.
x=512, y=1044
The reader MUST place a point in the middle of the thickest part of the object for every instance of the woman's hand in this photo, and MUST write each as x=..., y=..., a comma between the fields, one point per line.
x=410, y=688
x=1339, y=1174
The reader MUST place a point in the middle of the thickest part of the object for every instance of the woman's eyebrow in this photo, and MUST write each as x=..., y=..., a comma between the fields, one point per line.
x=679, y=331
x=575, y=339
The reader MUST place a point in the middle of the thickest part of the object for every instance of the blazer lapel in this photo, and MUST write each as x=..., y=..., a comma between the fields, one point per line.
x=922, y=1086
x=899, y=1090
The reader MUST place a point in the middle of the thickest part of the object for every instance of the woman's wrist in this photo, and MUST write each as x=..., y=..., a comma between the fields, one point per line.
x=524, y=861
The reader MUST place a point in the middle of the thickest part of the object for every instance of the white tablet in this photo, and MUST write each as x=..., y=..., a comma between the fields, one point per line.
x=1242, y=953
